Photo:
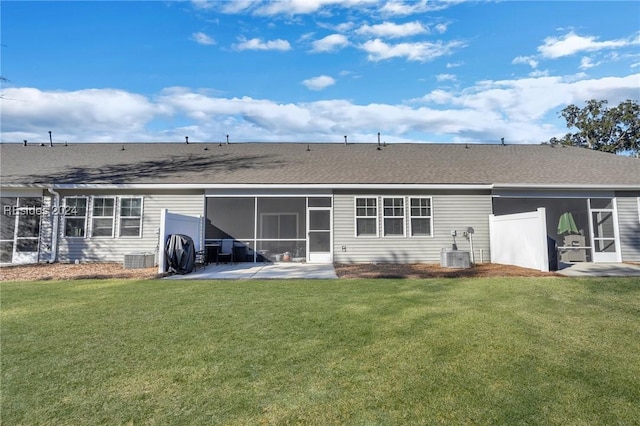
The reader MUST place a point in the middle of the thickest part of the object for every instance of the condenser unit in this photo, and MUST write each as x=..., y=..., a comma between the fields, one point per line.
x=458, y=259
x=139, y=260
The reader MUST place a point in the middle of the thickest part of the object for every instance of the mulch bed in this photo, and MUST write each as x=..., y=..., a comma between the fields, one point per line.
x=424, y=270
x=70, y=271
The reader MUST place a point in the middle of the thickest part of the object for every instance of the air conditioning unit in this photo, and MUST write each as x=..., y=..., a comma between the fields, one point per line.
x=455, y=259
x=139, y=260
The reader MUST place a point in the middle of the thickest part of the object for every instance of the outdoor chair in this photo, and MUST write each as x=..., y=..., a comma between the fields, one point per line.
x=201, y=259
x=226, y=250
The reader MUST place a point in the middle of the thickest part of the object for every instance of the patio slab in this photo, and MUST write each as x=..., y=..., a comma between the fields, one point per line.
x=587, y=269
x=247, y=271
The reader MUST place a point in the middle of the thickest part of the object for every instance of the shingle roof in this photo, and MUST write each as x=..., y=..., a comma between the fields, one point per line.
x=301, y=163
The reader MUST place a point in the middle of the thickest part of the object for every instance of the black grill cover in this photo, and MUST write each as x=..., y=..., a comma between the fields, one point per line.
x=180, y=254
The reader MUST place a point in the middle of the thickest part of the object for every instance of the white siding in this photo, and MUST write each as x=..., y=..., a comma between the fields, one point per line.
x=451, y=211
x=114, y=249
x=629, y=226
x=46, y=229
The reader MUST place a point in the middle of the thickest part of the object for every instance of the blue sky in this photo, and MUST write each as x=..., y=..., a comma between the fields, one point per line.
x=310, y=70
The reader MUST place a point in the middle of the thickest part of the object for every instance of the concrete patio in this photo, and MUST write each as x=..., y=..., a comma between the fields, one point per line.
x=588, y=269
x=248, y=271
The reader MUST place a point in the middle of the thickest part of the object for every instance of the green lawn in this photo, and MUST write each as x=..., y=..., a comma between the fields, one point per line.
x=444, y=351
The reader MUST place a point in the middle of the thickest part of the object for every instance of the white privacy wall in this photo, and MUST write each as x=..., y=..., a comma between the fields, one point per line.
x=173, y=223
x=520, y=239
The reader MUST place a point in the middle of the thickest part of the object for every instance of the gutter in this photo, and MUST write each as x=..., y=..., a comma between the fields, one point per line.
x=276, y=186
x=56, y=225
x=603, y=187
x=418, y=186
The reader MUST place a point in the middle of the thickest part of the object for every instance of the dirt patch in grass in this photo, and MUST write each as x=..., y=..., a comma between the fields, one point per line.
x=67, y=271
x=423, y=270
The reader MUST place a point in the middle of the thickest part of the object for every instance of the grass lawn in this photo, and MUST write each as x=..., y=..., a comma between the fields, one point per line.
x=442, y=351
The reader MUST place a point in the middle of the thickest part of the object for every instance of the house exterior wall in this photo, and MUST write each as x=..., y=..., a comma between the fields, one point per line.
x=628, y=205
x=113, y=249
x=450, y=211
x=46, y=230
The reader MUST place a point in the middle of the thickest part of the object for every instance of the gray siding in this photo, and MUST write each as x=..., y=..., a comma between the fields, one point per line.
x=451, y=211
x=629, y=226
x=114, y=249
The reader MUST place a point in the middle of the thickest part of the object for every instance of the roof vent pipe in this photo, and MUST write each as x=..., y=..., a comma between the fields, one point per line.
x=227, y=139
x=345, y=139
x=50, y=139
x=378, y=138
x=186, y=140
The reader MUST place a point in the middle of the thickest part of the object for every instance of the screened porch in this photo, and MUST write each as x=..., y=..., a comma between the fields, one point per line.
x=268, y=229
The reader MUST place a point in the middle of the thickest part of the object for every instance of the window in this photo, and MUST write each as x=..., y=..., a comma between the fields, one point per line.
x=75, y=216
x=131, y=217
x=393, y=216
x=102, y=217
x=420, y=216
x=367, y=217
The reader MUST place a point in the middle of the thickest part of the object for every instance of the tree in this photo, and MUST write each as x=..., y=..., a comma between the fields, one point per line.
x=605, y=129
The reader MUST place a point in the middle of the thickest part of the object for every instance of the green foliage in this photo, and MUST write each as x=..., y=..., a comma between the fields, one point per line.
x=508, y=351
x=615, y=130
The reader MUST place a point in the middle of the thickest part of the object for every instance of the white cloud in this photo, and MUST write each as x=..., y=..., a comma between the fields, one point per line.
x=437, y=96
x=202, y=38
x=446, y=77
x=539, y=73
x=517, y=109
x=528, y=60
x=420, y=51
x=319, y=83
x=258, y=44
x=441, y=28
x=572, y=43
x=330, y=43
x=236, y=6
x=90, y=114
x=411, y=7
x=392, y=30
x=300, y=7
x=587, y=62
x=204, y=4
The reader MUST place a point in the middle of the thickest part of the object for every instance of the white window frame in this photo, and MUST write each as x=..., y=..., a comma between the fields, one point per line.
x=394, y=217
x=94, y=217
x=67, y=215
x=429, y=217
x=121, y=217
x=357, y=217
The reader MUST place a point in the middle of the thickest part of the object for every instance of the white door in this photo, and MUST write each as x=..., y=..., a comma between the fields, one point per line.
x=604, y=230
x=319, y=235
x=27, y=236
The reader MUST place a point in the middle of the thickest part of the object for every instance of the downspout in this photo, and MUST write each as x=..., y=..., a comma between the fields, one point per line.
x=56, y=224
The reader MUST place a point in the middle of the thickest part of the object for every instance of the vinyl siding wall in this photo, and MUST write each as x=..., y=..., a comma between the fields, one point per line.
x=106, y=249
x=629, y=226
x=46, y=230
x=450, y=211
